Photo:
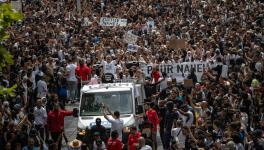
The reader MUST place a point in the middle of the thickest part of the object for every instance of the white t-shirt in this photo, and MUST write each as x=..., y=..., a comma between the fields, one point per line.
x=258, y=66
x=187, y=121
x=42, y=88
x=117, y=124
x=163, y=83
x=180, y=138
x=109, y=67
x=40, y=115
x=71, y=70
x=146, y=147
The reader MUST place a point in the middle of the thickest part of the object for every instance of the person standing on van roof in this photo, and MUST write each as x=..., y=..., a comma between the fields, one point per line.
x=117, y=123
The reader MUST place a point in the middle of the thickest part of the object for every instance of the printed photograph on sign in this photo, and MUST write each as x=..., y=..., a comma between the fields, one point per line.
x=132, y=48
x=130, y=38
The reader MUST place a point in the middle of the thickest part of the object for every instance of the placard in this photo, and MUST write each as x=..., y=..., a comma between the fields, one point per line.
x=188, y=83
x=132, y=48
x=105, y=21
x=16, y=5
x=130, y=38
x=79, y=7
x=151, y=24
x=108, y=78
x=86, y=22
x=177, y=43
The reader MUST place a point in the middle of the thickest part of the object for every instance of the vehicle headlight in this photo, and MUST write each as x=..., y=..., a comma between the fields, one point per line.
x=81, y=131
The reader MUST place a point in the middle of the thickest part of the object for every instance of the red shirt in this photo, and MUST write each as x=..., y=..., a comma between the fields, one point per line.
x=56, y=120
x=83, y=72
x=133, y=139
x=114, y=144
x=156, y=76
x=153, y=118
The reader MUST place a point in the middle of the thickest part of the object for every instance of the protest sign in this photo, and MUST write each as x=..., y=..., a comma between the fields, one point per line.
x=132, y=48
x=151, y=24
x=79, y=8
x=105, y=21
x=86, y=22
x=180, y=71
x=224, y=73
x=130, y=38
x=188, y=83
x=16, y=5
x=177, y=43
x=108, y=78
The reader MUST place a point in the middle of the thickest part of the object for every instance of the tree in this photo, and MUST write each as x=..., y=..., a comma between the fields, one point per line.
x=7, y=18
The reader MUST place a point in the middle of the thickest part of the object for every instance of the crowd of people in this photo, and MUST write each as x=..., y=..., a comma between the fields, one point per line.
x=60, y=45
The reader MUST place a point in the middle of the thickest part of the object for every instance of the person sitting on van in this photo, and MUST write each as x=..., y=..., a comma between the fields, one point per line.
x=99, y=128
x=98, y=143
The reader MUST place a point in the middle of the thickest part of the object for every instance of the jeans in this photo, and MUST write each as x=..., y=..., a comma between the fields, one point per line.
x=57, y=137
x=41, y=130
x=72, y=87
x=167, y=139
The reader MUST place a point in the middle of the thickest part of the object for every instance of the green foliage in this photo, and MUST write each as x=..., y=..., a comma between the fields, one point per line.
x=7, y=17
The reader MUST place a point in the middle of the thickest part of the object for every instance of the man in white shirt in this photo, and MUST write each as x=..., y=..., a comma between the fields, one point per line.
x=40, y=118
x=179, y=134
x=142, y=144
x=186, y=115
x=109, y=65
x=71, y=79
x=117, y=123
x=42, y=86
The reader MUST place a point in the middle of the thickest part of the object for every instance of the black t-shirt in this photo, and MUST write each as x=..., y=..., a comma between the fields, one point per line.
x=101, y=129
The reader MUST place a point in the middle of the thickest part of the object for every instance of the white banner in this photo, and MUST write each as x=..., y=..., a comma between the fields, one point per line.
x=105, y=21
x=130, y=38
x=180, y=71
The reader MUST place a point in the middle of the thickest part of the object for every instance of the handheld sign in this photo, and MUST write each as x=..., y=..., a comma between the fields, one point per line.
x=177, y=43
x=105, y=21
x=108, y=78
x=130, y=38
x=16, y=5
x=132, y=48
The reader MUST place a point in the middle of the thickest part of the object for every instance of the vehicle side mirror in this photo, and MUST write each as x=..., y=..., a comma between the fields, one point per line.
x=140, y=109
x=75, y=112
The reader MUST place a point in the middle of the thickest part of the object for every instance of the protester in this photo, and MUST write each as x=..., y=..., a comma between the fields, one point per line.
x=133, y=138
x=113, y=142
x=116, y=123
x=100, y=129
x=40, y=118
x=55, y=123
x=142, y=144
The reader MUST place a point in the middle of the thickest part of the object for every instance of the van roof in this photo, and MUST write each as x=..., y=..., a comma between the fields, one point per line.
x=107, y=86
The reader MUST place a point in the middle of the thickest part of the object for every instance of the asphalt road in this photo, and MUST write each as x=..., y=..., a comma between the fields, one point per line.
x=70, y=128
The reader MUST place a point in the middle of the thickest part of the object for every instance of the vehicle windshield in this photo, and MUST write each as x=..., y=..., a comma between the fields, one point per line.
x=91, y=103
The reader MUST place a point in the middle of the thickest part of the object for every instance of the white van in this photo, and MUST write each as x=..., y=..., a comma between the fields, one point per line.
x=127, y=98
